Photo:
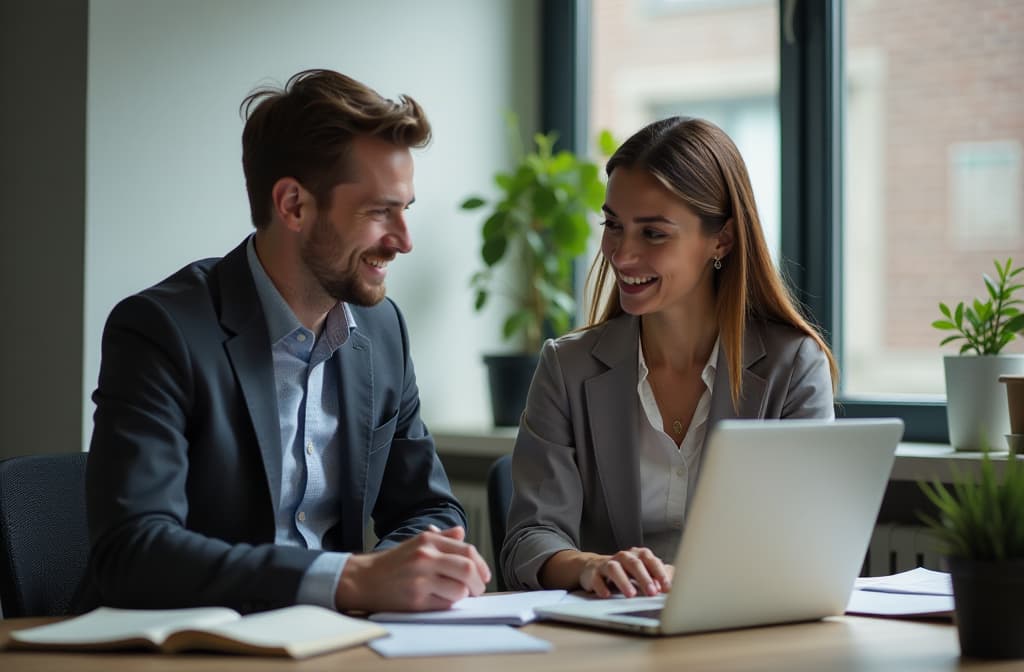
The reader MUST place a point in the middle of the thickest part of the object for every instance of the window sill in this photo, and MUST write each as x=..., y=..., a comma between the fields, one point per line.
x=914, y=461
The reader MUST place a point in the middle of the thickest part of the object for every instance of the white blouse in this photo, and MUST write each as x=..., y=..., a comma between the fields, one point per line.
x=668, y=473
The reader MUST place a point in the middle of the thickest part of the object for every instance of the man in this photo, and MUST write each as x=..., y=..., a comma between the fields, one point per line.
x=254, y=412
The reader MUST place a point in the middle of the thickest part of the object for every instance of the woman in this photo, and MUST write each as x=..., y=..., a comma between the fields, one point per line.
x=690, y=323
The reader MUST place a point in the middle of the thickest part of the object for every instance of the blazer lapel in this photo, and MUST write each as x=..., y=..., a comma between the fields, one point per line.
x=613, y=428
x=355, y=425
x=248, y=349
x=752, y=401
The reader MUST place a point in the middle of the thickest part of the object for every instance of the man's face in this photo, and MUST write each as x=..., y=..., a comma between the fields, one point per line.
x=364, y=228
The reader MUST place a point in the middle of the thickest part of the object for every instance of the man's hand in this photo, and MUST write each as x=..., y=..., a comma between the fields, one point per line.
x=431, y=571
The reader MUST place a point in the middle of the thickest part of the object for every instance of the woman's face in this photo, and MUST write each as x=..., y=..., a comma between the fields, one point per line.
x=654, y=242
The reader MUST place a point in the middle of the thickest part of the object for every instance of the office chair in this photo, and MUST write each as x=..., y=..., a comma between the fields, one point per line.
x=44, y=535
x=499, y=497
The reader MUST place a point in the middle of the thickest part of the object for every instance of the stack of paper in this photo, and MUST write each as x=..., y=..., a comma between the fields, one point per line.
x=475, y=625
x=417, y=639
x=918, y=593
x=494, y=609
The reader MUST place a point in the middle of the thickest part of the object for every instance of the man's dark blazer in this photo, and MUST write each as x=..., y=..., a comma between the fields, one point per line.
x=179, y=504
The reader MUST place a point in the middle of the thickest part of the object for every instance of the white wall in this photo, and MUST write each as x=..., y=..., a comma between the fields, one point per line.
x=164, y=183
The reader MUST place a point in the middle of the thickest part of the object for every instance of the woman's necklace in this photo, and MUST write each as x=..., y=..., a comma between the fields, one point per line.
x=677, y=428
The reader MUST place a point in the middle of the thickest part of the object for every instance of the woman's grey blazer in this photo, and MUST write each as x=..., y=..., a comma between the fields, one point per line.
x=575, y=470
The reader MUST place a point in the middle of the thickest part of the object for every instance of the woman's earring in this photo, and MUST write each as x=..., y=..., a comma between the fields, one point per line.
x=718, y=263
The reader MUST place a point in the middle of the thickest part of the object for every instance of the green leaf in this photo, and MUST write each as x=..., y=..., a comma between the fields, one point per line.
x=481, y=299
x=944, y=309
x=943, y=324
x=606, y=143
x=569, y=234
x=544, y=201
x=1015, y=324
x=545, y=143
x=495, y=226
x=958, y=316
x=982, y=311
x=494, y=249
x=516, y=322
x=950, y=339
x=991, y=287
x=973, y=319
x=593, y=195
x=562, y=163
x=1004, y=339
x=524, y=177
x=588, y=174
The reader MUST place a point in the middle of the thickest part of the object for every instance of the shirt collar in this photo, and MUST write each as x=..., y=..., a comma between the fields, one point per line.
x=281, y=320
x=707, y=374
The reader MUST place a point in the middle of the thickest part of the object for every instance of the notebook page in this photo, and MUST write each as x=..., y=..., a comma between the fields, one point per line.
x=108, y=625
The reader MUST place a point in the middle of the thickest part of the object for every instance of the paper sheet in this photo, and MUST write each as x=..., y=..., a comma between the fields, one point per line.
x=918, y=581
x=491, y=609
x=408, y=639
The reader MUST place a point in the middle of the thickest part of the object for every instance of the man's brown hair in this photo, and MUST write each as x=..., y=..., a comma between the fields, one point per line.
x=305, y=131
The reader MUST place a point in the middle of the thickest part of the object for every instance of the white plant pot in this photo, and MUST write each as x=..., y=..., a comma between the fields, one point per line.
x=976, y=400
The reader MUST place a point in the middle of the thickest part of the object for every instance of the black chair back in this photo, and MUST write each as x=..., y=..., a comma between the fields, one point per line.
x=44, y=534
x=499, y=497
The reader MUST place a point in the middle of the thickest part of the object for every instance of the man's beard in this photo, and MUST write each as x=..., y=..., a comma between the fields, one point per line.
x=322, y=250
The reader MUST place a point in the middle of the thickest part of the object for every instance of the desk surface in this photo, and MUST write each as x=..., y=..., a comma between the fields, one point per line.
x=836, y=644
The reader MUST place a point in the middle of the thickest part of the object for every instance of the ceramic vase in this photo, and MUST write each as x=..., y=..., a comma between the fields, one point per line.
x=976, y=400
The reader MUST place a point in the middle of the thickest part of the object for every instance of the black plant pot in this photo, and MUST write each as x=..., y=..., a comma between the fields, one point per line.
x=989, y=600
x=509, y=378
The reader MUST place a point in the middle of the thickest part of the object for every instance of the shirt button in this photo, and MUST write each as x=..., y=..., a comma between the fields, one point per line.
x=680, y=472
x=302, y=516
x=309, y=447
x=300, y=337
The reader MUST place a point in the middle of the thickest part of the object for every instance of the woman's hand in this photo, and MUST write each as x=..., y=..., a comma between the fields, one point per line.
x=626, y=571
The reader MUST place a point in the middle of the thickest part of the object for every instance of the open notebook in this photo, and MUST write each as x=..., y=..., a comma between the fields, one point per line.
x=295, y=632
x=776, y=532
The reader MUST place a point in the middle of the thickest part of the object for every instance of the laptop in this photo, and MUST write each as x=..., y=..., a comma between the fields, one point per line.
x=777, y=529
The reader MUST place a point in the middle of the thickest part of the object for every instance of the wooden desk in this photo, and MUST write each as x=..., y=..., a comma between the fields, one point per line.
x=834, y=645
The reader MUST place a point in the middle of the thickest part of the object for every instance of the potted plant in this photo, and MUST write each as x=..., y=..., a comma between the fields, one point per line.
x=534, y=230
x=980, y=528
x=975, y=399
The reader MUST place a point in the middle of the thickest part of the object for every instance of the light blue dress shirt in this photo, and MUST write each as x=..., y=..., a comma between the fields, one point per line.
x=305, y=479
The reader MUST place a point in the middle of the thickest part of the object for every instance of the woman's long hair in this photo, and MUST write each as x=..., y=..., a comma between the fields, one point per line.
x=697, y=162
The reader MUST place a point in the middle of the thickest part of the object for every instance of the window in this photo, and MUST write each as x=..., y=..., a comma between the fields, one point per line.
x=900, y=139
x=716, y=59
x=932, y=178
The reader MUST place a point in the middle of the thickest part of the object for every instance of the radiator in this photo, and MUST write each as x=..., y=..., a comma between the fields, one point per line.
x=899, y=547
x=893, y=548
x=473, y=497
